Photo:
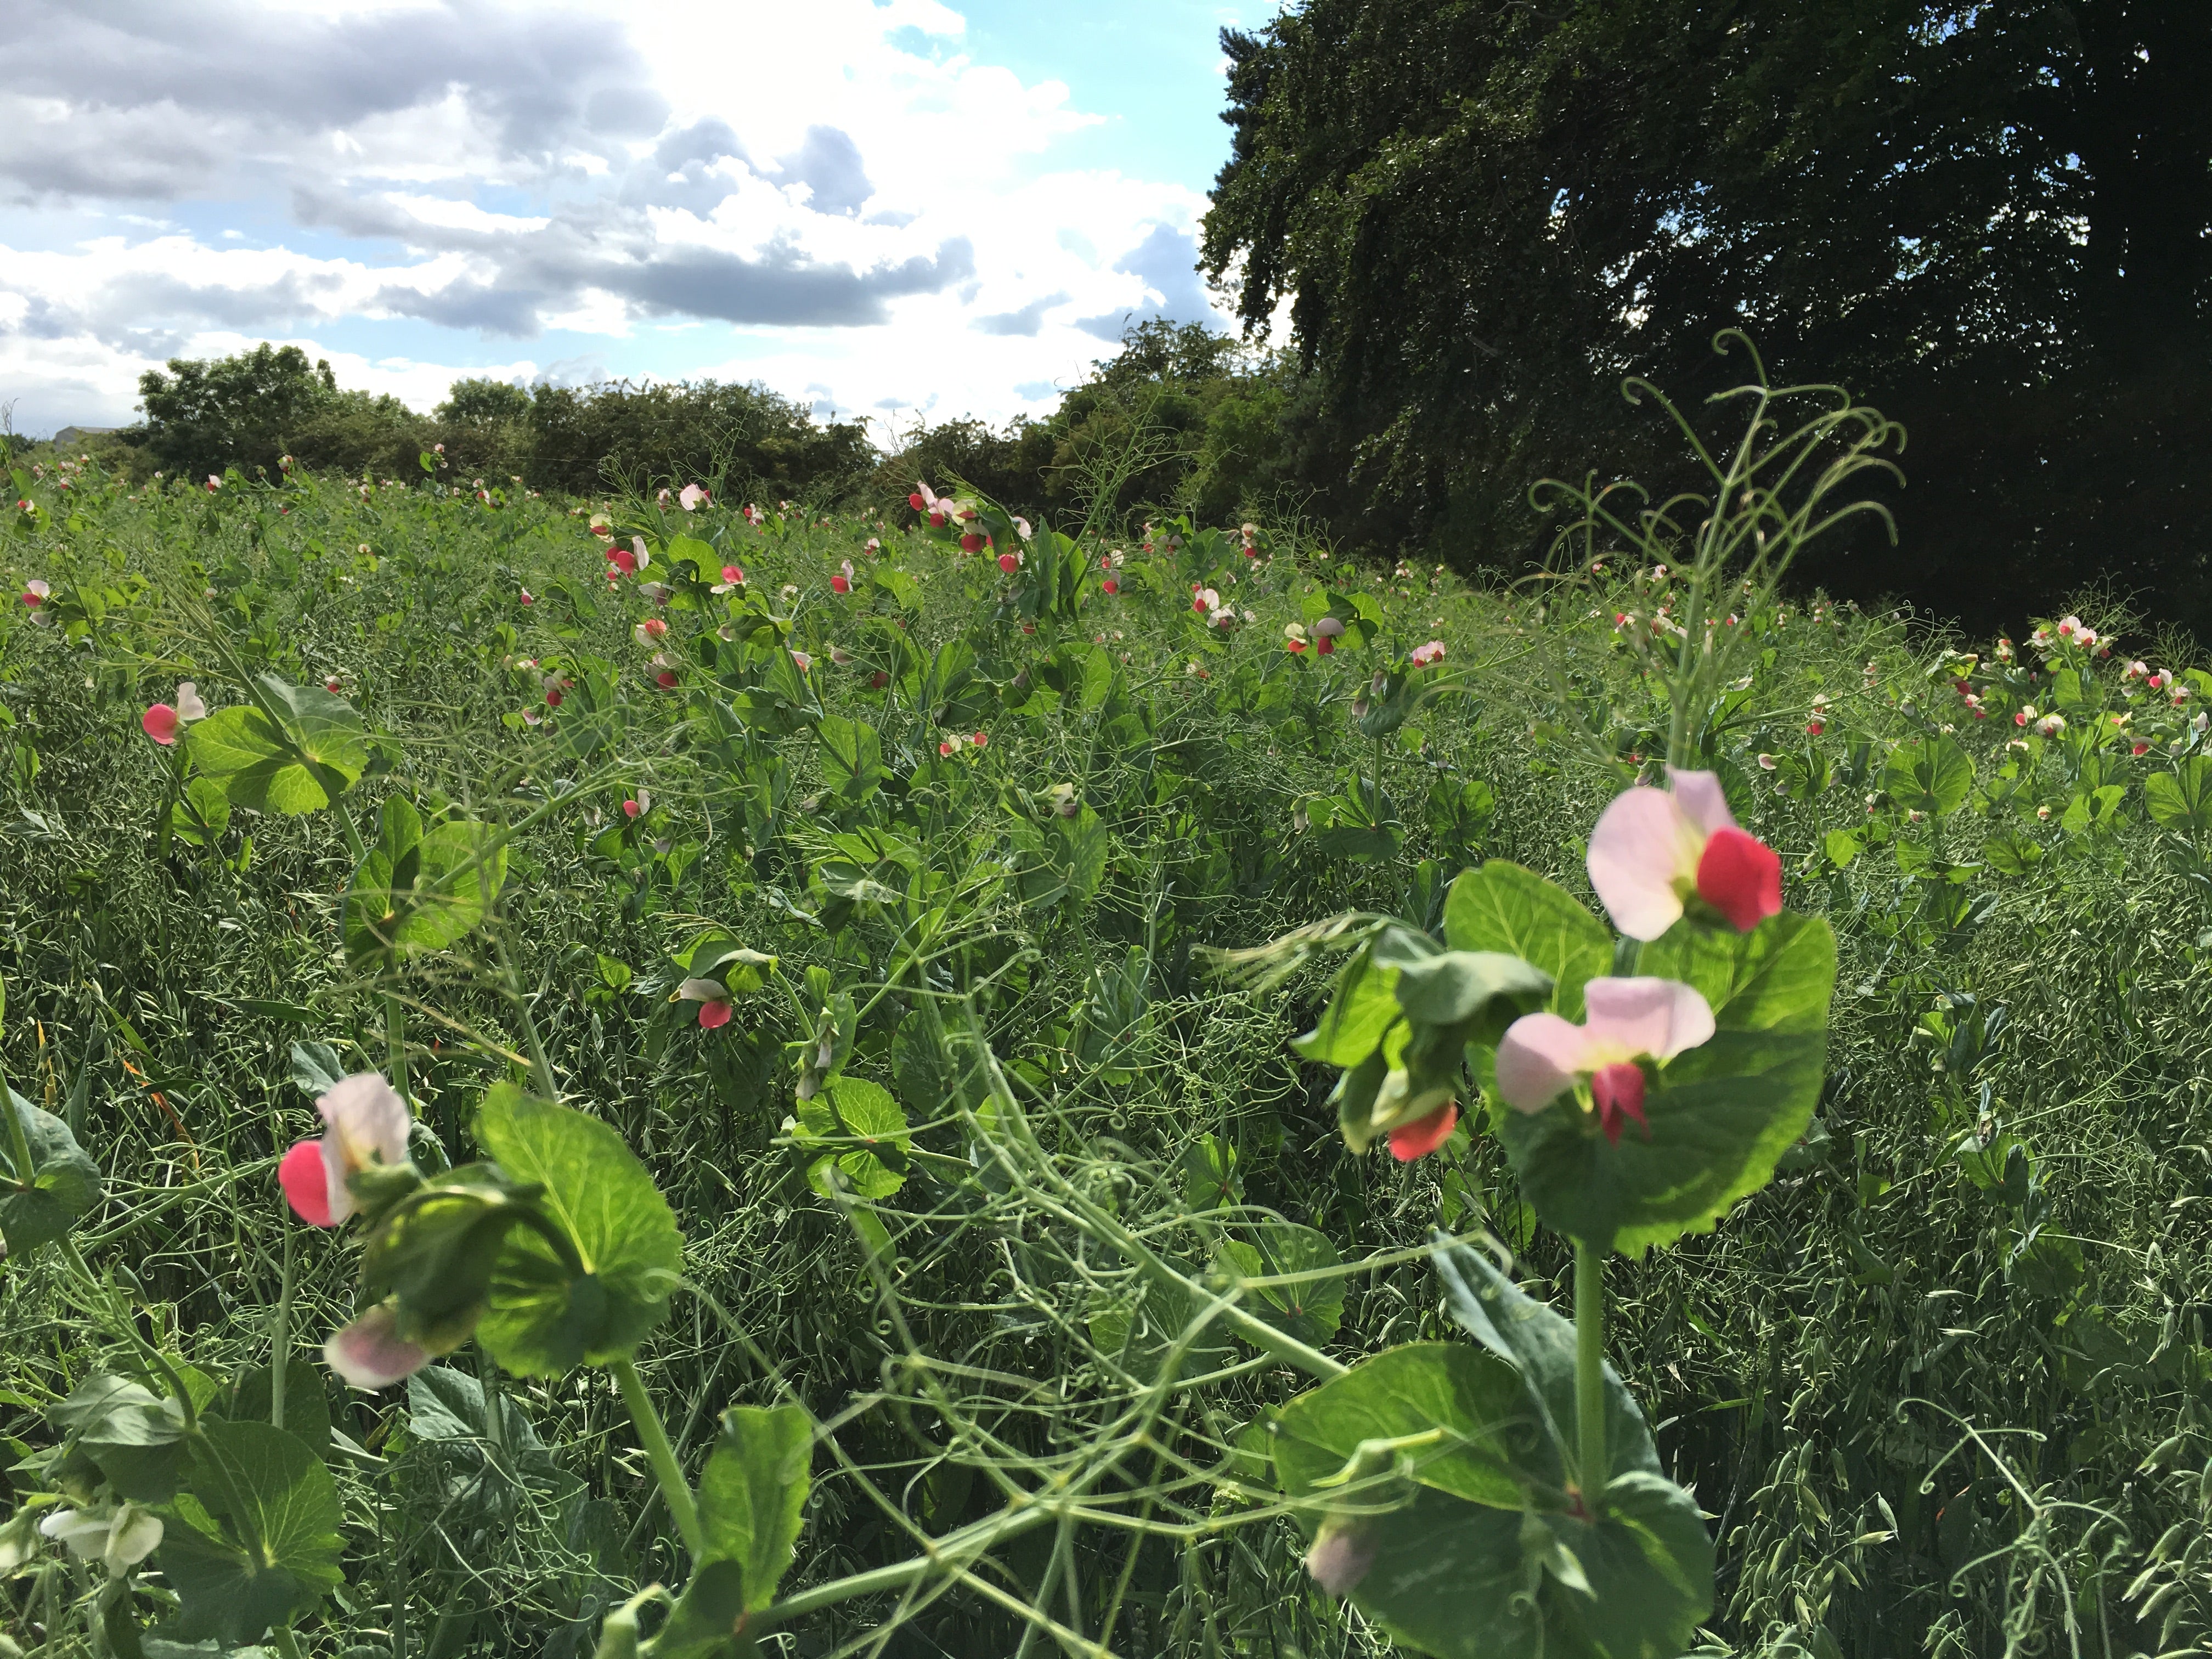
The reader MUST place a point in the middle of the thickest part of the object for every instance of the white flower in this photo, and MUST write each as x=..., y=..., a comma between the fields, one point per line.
x=122, y=1538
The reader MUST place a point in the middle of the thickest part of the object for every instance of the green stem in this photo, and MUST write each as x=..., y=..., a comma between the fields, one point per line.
x=285, y=1642
x=1589, y=1368
x=280, y=1340
x=395, y=1048
x=949, y=1553
x=541, y=1068
x=661, y=1456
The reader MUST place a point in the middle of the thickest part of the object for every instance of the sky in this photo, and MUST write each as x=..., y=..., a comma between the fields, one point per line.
x=894, y=210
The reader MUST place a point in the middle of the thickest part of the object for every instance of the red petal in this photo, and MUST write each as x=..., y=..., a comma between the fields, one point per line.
x=1740, y=876
x=713, y=1016
x=307, y=1184
x=159, y=723
x=1424, y=1135
x=1618, y=1091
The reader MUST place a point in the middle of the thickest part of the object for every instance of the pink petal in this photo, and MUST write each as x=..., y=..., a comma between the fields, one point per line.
x=307, y=1184
x=1700, y=796
x=1660, y=1018
x=713, y=1016
x=370, y=1353
x=1340, y=1558
x=159, y=723
x=1642, y=845
x=365, y=1123
x=1539, y=1059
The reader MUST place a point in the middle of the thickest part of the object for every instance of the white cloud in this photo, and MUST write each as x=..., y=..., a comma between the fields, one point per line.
x=837, y=196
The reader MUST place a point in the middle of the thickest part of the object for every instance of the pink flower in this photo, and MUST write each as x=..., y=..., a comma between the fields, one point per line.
x=971, y=542
x=1630, y=1021
x=732, y=576
x=213, y=484
x=694, y=496
x=980, y=739
x=945, y=749
x=649, y=632
x=1205, y=600
x=526, y=597
x=714, y=1000
x=1425, y=655
x=159, y=723
x=1010, y=562
x=842, y=581
x=370, y=1353
x=1109, y=586
x=641, y=802
x=666, y=679
x=365, y=1123
x=36, y=592
x=802, y=661
x=1654, y=849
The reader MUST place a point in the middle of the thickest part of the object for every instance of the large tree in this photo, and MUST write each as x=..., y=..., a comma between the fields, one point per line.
x=1991, y=220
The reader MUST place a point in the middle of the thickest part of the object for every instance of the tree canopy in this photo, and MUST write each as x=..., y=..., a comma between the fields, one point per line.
x=1990, y=220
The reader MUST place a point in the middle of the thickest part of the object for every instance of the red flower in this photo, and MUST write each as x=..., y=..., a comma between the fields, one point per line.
x=1424, y=1135
x=971, y=542
x=1110, y=586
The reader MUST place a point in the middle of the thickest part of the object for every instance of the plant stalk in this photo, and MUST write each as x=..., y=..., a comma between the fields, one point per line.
x=280, y=1337
x=1589, y=1369
x=650, y=1430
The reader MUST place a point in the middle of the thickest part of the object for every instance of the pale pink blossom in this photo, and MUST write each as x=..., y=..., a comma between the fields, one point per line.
x=1655, y=850
x=370, y=1353
x=713, y=998
x=365, y=1123
x=1629, y=1021
x=1425, y=655
x=694, y=496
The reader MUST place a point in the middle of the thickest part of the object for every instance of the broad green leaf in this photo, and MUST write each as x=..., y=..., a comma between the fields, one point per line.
x=1080, y=848
x=38, y=1204
x=1311, y=1311
x=704, y=1622
x=282, y=770
x=1540, y=1346
x=1455, y=988
x=852, y=1108
x=136, y=1436
x=415, y=893
x=1462, y=1411
x=307, y=1407
x=1719, y=1116
x=541, y=1320
x=2182, y=798
x=852, y=757
x=1505, y=907
x=317, y=1068
x=752, y=1497
x=1139, y=1327
x=1363, y=1007
x=1929, y=775
x=255, y=1541
x=705, y=565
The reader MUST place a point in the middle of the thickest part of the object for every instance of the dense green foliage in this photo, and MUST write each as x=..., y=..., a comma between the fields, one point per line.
x=1992, y=220
x=1945, y=1386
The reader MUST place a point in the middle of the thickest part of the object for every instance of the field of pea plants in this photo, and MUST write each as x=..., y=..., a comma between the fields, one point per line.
x=675, y=1077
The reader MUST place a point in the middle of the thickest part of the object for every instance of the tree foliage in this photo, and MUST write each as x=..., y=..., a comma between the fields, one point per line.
x=1990, y=219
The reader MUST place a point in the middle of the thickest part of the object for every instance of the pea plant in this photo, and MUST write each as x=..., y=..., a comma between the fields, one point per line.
x=676, y=1078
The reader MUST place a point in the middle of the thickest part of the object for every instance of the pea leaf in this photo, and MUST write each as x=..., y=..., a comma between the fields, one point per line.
x=542, y=1318
x=847, y=1108
x=1461, y=1406
x=415, y=893
x=38, y=1204
x=135, y=1435
x=1311, y=1311
x=1719, y=1116
x=255, y=1542
x=1929, y=775
x=852, y=757
x=1502, y=907
x=2182, y=798
x=285, y=768
x=752, y=1497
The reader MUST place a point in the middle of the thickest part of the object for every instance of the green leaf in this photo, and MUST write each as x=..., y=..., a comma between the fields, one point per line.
x=1719, y=1114
x=38, y=1204
x=281, y=769
x=1365, y=1006
x=752, y=1497
x=706, y=1621
x=852, y=757
x=307, y=1407
x=2182, y=798
x=1311, y=1311
x=1080, y=847
x=542, y=1318
x=1460, y=1410
x=1929, y=775
x=255, y=1542
x=1505, y=907
x=847, y=1108
x=136, y=1436
x=416, y=893
x=317, y=1068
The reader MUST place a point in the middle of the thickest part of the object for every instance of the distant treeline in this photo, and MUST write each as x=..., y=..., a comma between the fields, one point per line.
x=1181, y=419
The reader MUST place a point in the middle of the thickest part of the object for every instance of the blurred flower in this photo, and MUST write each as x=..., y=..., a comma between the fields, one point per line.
x=365, y=1123
x=36, y=592
x=1654, y=849
x=1417, y=1140
x=1425, y=655
x=842, y=581
x=121, y=1538
x=803, y=661
x=694, y=496
x=370, y=1353
x=1630, y=1021
x=650, y=632
x=714, y=1000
